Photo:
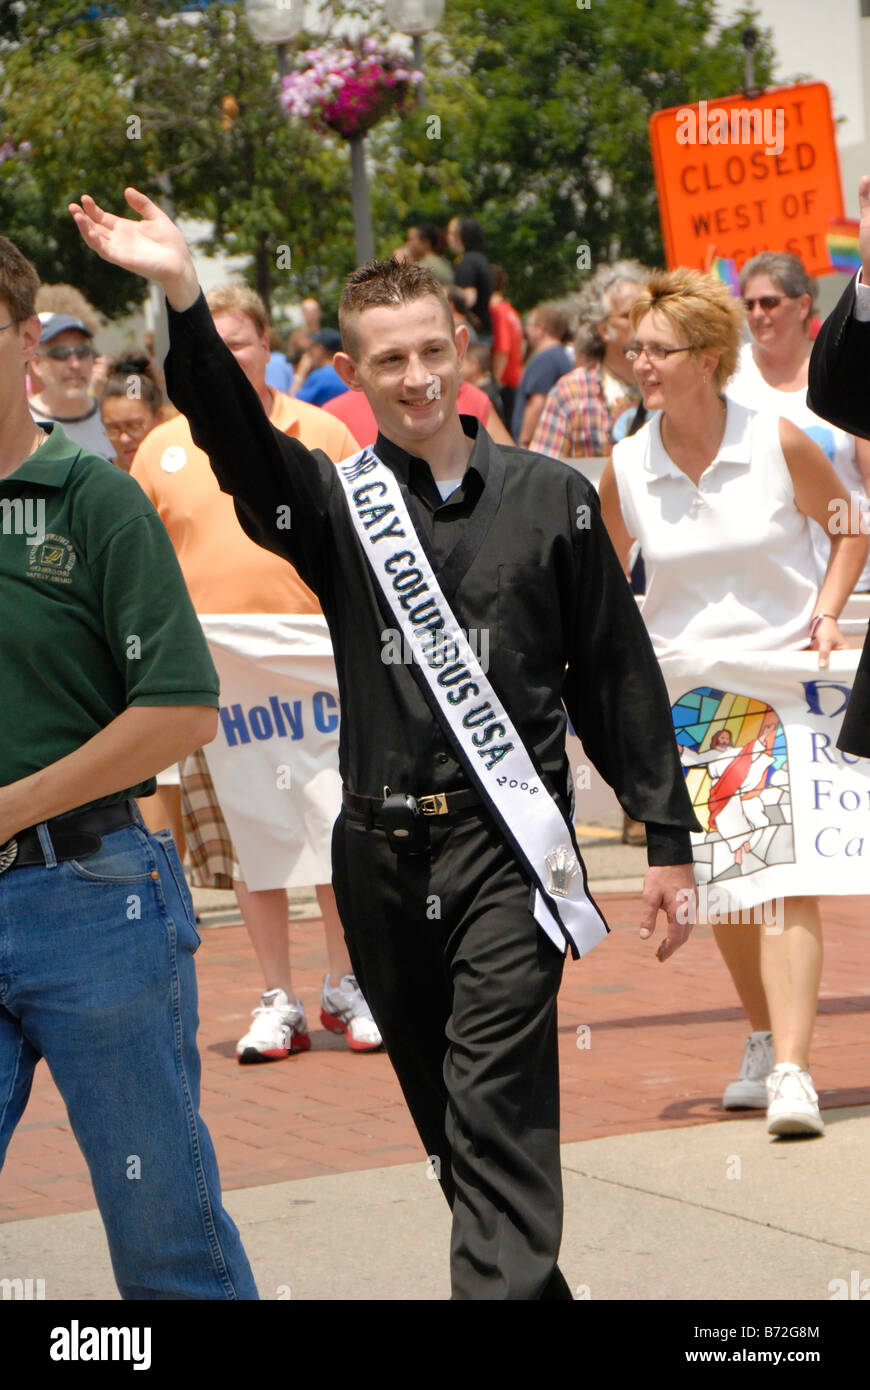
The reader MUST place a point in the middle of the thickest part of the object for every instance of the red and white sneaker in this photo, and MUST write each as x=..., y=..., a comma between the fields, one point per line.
x=344, y=1010
x=279, y=1029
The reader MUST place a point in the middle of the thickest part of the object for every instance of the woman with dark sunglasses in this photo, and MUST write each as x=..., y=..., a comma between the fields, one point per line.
x=772, y=374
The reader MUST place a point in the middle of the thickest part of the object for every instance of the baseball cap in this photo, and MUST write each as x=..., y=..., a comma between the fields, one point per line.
x=329, y=338
x=52, y=324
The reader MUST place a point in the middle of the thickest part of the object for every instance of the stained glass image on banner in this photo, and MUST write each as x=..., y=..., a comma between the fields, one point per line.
x=734, y=753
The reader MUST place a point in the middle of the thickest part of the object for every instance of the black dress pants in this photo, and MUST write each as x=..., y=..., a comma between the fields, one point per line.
x=462, y=984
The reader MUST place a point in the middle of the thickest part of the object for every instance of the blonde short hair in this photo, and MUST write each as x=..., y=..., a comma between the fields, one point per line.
x=66, y=299
x=233, y=298
x=701, y=308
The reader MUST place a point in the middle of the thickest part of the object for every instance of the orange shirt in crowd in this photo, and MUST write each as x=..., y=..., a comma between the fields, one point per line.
x=225, y=572
x=352, y=408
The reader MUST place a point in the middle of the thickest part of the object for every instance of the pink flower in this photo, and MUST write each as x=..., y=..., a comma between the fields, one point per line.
x=348, y=89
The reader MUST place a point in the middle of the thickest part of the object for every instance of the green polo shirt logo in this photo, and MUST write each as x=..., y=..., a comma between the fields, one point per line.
x=52, y=560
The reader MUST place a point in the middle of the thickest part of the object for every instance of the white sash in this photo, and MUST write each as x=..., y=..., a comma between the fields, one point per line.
x=480, y=728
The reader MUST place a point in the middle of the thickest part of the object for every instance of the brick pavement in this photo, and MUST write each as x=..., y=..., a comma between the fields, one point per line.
x=663, y=1041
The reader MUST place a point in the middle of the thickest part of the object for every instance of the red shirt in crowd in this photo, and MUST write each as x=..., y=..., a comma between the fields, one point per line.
x=354, y=411
x=507, y=336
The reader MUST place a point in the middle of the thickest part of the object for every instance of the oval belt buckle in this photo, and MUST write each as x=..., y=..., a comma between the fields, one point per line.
x=8, y=855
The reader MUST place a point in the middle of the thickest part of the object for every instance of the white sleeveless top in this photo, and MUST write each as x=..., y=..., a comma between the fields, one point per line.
x=729, y=561
x=749, y=388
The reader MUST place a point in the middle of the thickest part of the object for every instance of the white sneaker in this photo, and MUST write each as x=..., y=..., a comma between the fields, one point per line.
x=279, y=1028
x=749, y=1091
x=344, y=1010
x=793, y=1104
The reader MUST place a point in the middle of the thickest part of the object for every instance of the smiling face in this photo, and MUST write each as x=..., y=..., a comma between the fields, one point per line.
x=407, y=361
x=675, y=382
x=784, y=323
x=249, y=348
x=65, y=383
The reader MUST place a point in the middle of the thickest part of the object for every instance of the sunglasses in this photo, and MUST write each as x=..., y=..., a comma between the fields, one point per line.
x=766, y=301
x=60, y=354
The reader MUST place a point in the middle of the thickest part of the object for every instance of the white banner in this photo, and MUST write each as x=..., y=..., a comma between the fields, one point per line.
x=784, y=811
x=274, y=761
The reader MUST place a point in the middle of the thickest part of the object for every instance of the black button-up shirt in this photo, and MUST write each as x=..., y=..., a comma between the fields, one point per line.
x=543, y=588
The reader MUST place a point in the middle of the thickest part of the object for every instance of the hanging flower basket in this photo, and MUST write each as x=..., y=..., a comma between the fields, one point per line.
x=348, y=90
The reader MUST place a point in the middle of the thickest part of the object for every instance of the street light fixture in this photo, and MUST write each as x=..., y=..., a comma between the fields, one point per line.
x=415, y=18
x=278, y=22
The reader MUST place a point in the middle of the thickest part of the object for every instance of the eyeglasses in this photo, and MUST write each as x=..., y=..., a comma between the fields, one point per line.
x=132, y=428
x=8, y=325
x=81, y=351
x=654, y=352
x=766, y=301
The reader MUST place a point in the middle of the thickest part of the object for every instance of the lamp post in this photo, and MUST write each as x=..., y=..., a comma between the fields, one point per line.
x=415, y=18
x=278, y=22
x=749, y=39
x=363, y=231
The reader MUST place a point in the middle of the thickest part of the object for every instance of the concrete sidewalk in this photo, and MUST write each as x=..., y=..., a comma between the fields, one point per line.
x=709, y=1212
x=667, y=1196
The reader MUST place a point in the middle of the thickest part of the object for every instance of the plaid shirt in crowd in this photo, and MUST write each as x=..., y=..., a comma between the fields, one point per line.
x=580, y=412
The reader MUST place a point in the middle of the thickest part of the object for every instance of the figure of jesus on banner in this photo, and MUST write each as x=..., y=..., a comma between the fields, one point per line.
x=738, y=777
x=733, y=748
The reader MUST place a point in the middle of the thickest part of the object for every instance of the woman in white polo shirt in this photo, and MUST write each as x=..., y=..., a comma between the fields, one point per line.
x=718, y=497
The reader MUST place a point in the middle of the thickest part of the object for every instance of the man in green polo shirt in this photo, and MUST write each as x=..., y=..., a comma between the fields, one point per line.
x=104, y=678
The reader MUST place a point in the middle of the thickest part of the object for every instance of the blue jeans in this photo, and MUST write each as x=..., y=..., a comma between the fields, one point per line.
x=97, y=976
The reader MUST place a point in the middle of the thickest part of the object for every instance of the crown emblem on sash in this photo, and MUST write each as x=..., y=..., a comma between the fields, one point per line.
x=562, y=867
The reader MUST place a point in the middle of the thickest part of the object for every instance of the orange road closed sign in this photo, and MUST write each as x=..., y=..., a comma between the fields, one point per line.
x=747, y=175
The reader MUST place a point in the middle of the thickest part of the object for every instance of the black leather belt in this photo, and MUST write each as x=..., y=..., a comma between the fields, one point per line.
x=73, y=837
x=435, y=804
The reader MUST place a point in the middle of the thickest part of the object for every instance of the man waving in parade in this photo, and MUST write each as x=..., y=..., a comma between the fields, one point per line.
x=456, y=870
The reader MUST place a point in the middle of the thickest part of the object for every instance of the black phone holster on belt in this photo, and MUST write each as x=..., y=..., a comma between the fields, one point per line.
x=406, y=827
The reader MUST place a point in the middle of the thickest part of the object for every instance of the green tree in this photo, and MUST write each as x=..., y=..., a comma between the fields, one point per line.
x=273, y=190
x=535, y=121
x=544, y=137
x=183, y=106
x=71, y=120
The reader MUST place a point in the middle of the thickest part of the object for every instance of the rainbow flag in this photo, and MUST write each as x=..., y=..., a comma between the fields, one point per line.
x=842, y=242
x=726, y=271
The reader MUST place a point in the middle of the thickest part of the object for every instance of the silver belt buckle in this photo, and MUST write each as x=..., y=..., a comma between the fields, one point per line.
x=8, y=855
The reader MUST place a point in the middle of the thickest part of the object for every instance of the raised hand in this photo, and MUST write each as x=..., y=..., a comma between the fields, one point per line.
x=152, y=247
